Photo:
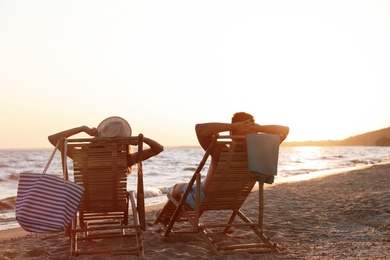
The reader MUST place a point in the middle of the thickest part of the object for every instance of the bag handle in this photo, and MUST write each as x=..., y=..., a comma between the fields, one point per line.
x=64, y=159
x=51, y=158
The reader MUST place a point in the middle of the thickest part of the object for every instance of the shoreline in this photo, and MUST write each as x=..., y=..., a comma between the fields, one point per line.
x=337, y=216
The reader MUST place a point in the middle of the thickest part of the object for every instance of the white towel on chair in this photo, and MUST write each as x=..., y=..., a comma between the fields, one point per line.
x=263, y=153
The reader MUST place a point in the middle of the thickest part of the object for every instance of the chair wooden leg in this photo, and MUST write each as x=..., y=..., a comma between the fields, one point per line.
x=162, y=212
x=73, y=236
x=68, y=230
x=136, y=220
x=259, y=232
x=231, y=219
x=261, y=206
x=211, y=243
x=179, y=206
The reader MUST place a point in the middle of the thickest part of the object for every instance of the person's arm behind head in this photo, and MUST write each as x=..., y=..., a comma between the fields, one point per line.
x=54, y=138
x=206, y=131
x=282, y=131
x=154, y=149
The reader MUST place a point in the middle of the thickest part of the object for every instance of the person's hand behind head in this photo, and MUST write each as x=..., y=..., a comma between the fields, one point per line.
x=91, y=131
x=243, y=127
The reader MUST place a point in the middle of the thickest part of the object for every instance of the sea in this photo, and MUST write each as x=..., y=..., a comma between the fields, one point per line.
x=177, y=164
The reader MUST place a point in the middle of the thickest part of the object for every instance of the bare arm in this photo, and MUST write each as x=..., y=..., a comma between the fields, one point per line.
x=154, y=149
x=206, y=131
x=53, y=139
x=282, y=131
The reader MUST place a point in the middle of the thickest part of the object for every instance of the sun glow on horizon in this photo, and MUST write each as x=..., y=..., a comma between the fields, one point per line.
x=320, y=68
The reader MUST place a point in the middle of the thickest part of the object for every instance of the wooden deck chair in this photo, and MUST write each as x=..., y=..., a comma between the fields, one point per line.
x=231, y=185
x=100, y=166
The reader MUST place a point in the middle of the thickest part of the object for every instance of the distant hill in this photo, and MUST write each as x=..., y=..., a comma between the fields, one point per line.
x=374, y=138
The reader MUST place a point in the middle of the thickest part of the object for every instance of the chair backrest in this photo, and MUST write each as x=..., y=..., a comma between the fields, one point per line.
x=232, y=182
x=100, y=166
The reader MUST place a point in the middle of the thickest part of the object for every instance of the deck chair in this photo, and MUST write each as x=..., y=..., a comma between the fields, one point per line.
x=100, y=166
x=231, y=185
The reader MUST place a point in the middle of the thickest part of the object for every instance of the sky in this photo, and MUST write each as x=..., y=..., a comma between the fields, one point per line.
x=319, y=67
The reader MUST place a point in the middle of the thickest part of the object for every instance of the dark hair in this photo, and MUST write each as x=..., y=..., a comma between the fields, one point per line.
x=242, y=116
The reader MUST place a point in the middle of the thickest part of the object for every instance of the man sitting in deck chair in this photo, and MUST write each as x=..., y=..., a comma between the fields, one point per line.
x=242, y=123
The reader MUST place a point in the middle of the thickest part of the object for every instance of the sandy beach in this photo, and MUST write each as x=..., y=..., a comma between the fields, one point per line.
x=340, y=216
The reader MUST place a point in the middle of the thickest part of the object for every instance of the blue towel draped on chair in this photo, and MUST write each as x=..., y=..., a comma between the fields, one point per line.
x=263, y=154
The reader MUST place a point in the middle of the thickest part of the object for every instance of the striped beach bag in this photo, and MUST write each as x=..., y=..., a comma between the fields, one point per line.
x=46, y=203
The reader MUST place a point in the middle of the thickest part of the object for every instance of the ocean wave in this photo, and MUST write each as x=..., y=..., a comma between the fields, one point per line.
x=330, y=157
x=7, y=204
x=3, y=165
x=192, y=169
x=151, y=192
x=302, y=172
x=13, y=176
x=10, y=177
x=296, y=161
x=361, y=161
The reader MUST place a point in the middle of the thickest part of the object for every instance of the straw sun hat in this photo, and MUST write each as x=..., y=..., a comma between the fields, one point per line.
x=114, y=126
